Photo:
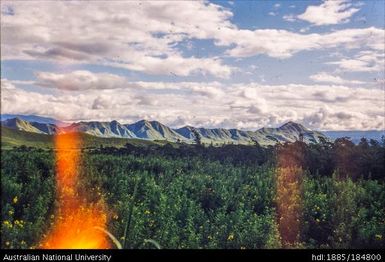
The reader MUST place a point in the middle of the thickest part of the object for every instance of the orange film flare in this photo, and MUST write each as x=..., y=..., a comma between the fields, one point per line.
x=77, y=224
x=288, y=194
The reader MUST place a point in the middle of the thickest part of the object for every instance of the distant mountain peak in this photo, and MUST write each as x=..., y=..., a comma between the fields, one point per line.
x=290, y=123
x=14, y=121
x=20, y=124
x=293, y=126
x=142, y=121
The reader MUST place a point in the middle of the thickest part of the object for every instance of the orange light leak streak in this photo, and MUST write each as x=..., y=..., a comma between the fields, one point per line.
x=288, y=194
x=78, y=223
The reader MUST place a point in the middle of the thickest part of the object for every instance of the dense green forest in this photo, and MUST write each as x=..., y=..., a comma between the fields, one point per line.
x=327, y=195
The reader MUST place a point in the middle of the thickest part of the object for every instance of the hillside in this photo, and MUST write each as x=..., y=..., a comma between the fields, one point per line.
x=11, y=138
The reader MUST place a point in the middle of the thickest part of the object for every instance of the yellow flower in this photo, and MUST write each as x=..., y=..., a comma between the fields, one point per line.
x=10, y=212
x=14, y=200
x=7, y=223
x=317, y=220
x=147, y=212
x=230, y=237
x=378, y=237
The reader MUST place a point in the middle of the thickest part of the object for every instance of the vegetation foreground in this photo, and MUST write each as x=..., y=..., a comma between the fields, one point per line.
x=328, y=195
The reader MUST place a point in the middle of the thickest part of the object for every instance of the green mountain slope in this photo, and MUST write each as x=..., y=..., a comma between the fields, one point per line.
x=11, y=138
x=156, y=131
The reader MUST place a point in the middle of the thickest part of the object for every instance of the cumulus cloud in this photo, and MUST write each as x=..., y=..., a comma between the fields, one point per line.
x=326, y=119
x=364, y=61
x=136, y=35
x=178, y=66
x=102, y=102
x=208, y=91
x=330, y=12
x=6, y=84
x=284, y=44
x=210, y=104
x=334, y=79
x=144, y=36
x=80, y=80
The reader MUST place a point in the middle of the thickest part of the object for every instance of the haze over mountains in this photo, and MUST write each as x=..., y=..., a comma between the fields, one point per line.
x=356, y=136
x=154, y=130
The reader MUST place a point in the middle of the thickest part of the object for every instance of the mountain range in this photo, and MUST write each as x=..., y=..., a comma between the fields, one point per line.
x=34, y=118
x=156, y=131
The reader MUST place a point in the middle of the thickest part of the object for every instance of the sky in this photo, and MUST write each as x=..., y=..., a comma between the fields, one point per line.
x=229, y=64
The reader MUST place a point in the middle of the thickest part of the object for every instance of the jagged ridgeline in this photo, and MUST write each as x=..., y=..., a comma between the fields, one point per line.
x=156, y=131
